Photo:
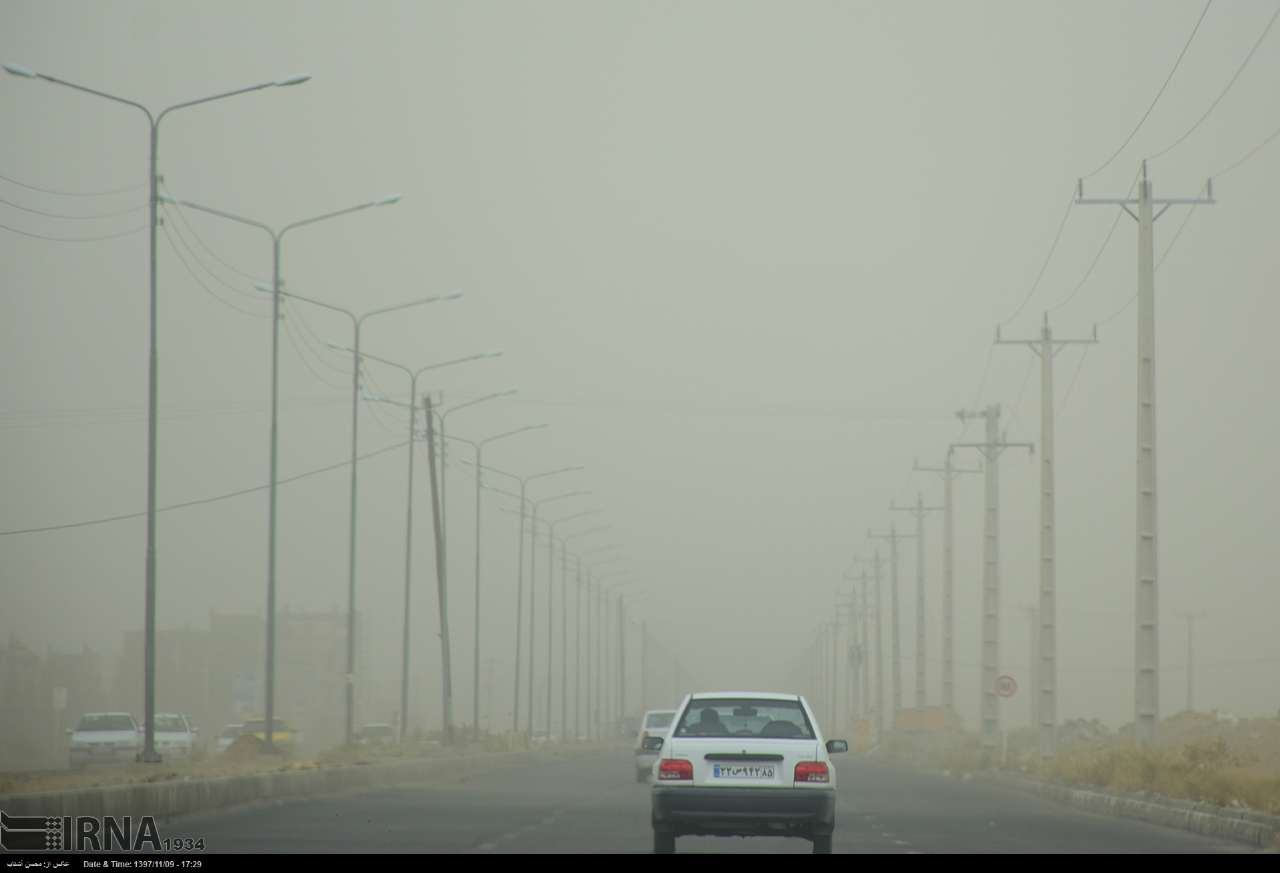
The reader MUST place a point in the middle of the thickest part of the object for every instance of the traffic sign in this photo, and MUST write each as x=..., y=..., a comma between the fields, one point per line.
x=1006, y=686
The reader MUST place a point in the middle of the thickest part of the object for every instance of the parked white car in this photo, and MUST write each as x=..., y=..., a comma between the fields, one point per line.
x=227, y=737
x=104, y=738
x=656, y=723
x=175, y=737
x=744, y=764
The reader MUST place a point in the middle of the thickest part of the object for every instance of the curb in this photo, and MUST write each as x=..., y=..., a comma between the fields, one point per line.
x=164, y=800
x=1202, y=818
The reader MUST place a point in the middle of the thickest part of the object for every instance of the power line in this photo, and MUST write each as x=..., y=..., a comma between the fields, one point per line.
x=250, y=295
x=1074, y=376
x=182, y=215
x=1094, y=263
x=74, y=193
x=201, y=283
x=1159, y=94
x=1049, y=257
x=74, y=217
x=1230, y=83
x=291, y=333
x=1248, y=155
x=74, y=239
x=204, y=500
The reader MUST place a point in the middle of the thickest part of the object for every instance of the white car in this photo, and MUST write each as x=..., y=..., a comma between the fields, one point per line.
x=744, y=764
x=104, y=738
x=655, y=723
x=227, y=737
x=175, y=738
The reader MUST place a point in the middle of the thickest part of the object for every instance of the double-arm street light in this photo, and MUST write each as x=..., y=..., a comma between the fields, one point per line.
x=564, y=631
x=523, y=498
x=580, y=645
x=357, y=326
x=551, y=554
x=277, y=238
x=408, y=516
x=533, y=578
x=149, y=753
x=479, y=445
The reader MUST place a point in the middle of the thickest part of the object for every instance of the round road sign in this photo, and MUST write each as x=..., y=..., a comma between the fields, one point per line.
x=1006, y=686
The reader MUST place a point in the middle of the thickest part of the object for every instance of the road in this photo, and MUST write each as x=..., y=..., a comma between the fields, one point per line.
x=592, y=804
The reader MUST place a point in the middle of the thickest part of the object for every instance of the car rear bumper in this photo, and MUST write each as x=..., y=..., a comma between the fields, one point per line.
x=744, y=811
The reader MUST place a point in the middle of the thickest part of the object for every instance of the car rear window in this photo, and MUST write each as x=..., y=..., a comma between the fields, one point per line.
x=659, y=719
x=106, y=723
x=745, y=717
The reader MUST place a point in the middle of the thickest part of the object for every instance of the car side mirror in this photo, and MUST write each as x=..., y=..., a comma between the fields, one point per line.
x=651, y=744
x=836, y=746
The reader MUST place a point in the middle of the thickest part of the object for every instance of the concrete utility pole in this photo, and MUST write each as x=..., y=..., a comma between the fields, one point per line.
x=446, y=671
x=1044, y=664
x=879, y=651
x=991, y=450
x=1191, y=628
x=919, y=511
x=1033, y=634
x=1146, y=667
x=948, y=472
x=895, y=642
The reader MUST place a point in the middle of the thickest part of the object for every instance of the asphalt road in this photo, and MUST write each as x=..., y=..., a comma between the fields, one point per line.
x=592, y=804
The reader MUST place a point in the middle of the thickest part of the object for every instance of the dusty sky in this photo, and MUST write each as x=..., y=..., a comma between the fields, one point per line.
x=745, y=259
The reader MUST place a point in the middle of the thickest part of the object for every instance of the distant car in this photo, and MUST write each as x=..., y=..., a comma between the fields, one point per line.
x=283, y=737
x=655, y=723
x=175, y=738
x=744, y=764
x=104, y=738
x=228, y=736
x=377, y=735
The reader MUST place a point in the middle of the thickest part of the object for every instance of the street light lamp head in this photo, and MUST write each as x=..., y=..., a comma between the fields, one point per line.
x=292, y=80
x=455, y=295
x=389, y=200
x=264, y=287
x=167, y=198
x=15, y=70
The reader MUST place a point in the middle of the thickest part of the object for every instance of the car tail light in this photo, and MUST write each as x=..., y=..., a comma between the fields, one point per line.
x=812, y=771
x=674, y=769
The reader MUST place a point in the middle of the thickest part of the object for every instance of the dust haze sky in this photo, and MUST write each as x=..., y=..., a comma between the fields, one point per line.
x=746, y=259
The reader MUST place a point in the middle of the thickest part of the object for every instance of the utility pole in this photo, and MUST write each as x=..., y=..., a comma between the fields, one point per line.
x=948, y=471
x=919, y=511
x=895, y=621
x=622, y=661
x=1044, y=664
x=1191, y=628
x=1146, y=667
x=644, y=666
x=1033, y=634
x=991, y=450
x=446, y=684
x=879, y=652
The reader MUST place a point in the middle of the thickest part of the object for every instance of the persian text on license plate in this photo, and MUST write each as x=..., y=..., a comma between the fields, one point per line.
x=743, y=771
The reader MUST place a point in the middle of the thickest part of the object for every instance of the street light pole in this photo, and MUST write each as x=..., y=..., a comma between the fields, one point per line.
x=564, y=627
x=478, y=446
x=149, y=754
x=357, y=326
x=408, y=534
x=551, y=551
x=277, y=238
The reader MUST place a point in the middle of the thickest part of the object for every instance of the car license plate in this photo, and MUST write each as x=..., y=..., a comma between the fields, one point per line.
x=743, y=771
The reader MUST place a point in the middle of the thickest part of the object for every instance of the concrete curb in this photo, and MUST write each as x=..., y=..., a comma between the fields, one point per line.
x=1206, y=819
x=194, y=796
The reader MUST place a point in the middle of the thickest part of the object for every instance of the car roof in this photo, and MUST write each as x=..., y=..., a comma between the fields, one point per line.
x=753, y=695
x=659, y=712
x=107, y=713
